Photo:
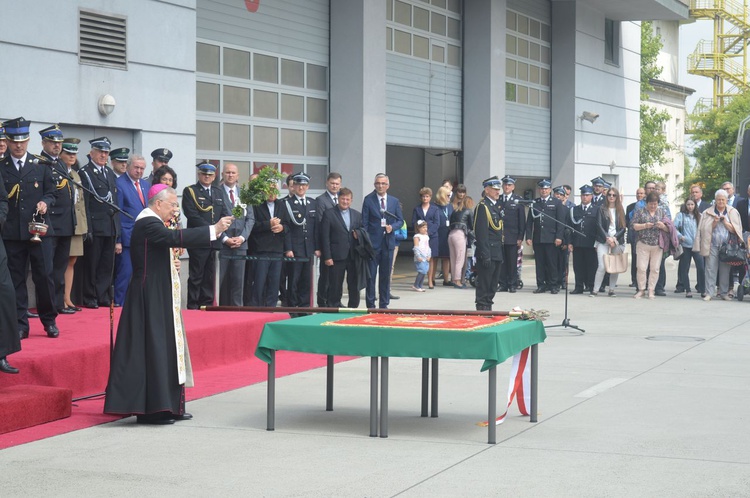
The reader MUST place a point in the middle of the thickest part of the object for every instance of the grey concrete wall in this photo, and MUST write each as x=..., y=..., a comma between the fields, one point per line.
x=357, y=101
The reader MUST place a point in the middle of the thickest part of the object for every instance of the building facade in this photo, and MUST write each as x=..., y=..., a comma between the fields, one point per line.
x=424, y=90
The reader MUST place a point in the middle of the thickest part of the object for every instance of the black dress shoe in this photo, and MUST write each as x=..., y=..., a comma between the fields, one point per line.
x=395, y=297
x=184, y=416
x=660, y=293
x=540, y=290
x=153, y=420
x=23, y=334
x=31, y=314
x=74, y=308
x=92, y=306
x=555, y=290
x=576, y=291
x=52, y=331
x=512, y=290
x=66, y=311
x=5, y=367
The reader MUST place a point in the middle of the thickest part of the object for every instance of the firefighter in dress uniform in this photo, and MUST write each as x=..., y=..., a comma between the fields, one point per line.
x=300, y=241
x=203, y=205
x=544, y=229
x=584, y=218
x=488, y=230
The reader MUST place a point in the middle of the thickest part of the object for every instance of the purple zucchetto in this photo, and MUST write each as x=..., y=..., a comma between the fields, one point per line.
x=155, y=189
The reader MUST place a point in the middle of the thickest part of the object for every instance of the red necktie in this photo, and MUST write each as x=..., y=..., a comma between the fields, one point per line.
x=231, y=196
x=140, y=192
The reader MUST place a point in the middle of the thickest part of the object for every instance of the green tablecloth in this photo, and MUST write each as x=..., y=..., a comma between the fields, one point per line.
x=306, y=334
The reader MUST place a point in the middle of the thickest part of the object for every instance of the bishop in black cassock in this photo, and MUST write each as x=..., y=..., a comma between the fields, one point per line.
x=151, y=363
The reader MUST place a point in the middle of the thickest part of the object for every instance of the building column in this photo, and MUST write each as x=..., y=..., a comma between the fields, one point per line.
x=484, y=92
x=563, y=119
x=357, y=95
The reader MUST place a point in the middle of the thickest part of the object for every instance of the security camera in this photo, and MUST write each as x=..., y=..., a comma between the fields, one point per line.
x=589, y=116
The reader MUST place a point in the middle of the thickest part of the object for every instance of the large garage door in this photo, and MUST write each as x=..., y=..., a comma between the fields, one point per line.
x=527, y=88
x=262, y=85
x=423, y=73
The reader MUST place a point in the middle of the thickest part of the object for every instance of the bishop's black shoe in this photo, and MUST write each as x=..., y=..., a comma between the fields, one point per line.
x=184, y=416
x=5, y=366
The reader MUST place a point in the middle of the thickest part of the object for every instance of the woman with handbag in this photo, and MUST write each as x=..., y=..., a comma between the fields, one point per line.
x=648, y=222
x=686, y=222
x=461, y=222
x=720, y=225
x=610, y=240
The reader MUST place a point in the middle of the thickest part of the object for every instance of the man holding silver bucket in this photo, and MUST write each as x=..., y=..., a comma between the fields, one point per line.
x=26, y=232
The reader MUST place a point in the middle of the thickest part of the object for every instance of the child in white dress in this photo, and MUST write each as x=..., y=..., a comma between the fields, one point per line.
x=422, y=254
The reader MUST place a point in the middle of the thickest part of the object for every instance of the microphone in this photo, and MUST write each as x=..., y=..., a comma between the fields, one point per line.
x=383, y=211
x=523, y=201
x=37, y=160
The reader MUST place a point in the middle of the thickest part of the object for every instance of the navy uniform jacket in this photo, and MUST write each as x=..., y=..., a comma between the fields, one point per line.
x=202, y=209
x=488, y=230
x=103, y=182
x=62, y=215
x=300, y=238
x=585, y=223
x=25, y=189
x=543, y=230
x=514, y=221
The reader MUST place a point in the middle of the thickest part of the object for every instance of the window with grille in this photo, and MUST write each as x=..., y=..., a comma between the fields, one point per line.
x=102, y=39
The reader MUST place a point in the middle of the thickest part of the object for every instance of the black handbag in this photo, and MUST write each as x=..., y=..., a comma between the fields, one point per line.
x=733, y=252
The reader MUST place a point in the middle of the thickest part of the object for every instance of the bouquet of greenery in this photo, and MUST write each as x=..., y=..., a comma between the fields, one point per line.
x=256, y=191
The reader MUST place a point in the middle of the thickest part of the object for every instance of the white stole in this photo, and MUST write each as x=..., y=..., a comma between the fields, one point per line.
x=184, y=368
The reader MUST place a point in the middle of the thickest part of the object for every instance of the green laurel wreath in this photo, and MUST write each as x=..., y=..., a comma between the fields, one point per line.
x=256, y=191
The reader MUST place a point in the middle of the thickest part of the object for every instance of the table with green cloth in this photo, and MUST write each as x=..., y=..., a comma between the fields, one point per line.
x=310, y=334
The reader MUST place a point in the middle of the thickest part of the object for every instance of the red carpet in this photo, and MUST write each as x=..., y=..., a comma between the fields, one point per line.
x=222, y=347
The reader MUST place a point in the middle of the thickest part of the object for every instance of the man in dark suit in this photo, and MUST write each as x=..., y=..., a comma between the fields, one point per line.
x=103, y=223
x=132, y=192
x=488, y=229
x=271, y=223
x=203, y=205
x=325, y=201
x=696, y=192
x=61, y=214
x=599, y=186
x=380, y=214
x=232, y=271
x=300, y=241
x=545, y=231
x=584, y=218
x=733, y=198
x=31, y=190
x=118, y=159
x=514, y=227
x=336, y=234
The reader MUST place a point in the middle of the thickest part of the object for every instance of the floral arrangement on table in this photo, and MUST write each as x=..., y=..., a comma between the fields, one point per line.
x=256, y=191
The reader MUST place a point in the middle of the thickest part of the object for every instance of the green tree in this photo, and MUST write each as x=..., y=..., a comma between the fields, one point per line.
x=715, y=137
x=654, y=144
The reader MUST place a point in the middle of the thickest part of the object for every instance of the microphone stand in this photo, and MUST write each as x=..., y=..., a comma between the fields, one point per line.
x=566, y=321
x=114, y=208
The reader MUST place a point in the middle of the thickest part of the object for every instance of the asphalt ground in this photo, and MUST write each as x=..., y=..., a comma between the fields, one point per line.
x=652, y=400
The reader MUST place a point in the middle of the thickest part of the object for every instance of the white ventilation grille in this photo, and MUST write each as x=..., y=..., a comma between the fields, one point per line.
x=102, y=40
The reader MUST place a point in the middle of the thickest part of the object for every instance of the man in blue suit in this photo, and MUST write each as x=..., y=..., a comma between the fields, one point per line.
x=133, y=197
x=380, y=213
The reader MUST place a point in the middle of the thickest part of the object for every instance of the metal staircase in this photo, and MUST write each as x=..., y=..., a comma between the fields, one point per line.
x=723, y=59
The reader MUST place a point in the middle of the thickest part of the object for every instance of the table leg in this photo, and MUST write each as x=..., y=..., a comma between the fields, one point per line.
x=534, y=380
x=384, y=396
x=434, y=405
x=425, y=384
x=373, y=397
x=271, y=393
x=329, y=383
x=492, y=407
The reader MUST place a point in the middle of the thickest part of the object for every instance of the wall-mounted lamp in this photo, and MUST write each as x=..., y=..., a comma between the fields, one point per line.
x=588, y=116
x=106, y=104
